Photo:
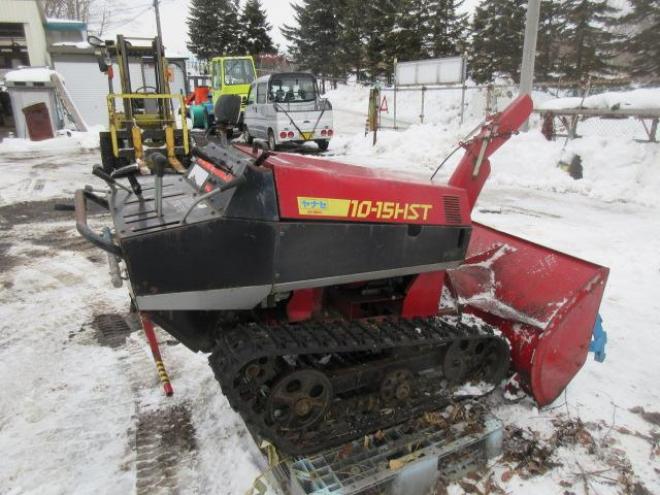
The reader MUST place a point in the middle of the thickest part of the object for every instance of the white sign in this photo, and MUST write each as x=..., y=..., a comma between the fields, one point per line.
x=447, y=70
x=198, y=175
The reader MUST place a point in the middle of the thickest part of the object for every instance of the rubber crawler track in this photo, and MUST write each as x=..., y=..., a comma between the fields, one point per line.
x=255, y=344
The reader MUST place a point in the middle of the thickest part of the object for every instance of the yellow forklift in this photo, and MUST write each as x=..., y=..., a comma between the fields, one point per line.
x=143, y=115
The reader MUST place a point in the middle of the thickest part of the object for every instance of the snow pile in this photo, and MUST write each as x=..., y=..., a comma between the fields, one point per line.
x=82, y=45
x=637, y=99
x=65, y=142
x=57, y=20
x=614, y=169
x=29, y=74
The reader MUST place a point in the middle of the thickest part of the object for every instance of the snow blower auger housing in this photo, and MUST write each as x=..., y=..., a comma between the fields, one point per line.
x=316, y=287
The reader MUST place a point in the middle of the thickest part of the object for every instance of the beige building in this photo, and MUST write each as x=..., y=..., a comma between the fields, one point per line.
x=22, y=35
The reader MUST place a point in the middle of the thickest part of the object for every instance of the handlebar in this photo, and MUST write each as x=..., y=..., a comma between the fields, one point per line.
x=80, y=205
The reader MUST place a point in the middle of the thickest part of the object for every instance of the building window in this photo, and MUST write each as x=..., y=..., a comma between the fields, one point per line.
x=13, y=45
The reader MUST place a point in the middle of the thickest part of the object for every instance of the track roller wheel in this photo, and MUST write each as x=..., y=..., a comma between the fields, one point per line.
x=397, y=386
x=299, y=399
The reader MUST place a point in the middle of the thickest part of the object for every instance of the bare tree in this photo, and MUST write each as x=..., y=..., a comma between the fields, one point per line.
x=100, y=15
x=68, y=9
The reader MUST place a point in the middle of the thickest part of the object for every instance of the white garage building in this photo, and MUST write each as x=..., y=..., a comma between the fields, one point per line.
x=88, y=86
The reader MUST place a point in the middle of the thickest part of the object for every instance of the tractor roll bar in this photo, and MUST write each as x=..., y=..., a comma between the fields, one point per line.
x=81, y=221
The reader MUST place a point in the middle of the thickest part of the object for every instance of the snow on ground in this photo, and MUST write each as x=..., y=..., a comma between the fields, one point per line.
x=78, y=416
x=636, y=99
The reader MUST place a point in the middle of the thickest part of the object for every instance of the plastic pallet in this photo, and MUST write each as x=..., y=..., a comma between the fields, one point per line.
x=420, y=458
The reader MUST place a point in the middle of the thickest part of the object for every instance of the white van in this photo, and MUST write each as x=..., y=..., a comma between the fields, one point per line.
x=286, y=107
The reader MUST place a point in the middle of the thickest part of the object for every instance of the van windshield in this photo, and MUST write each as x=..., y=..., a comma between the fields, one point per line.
x=292, y=88
x=238, y=71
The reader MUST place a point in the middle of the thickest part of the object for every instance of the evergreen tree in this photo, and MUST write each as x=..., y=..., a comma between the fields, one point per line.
x=213, y=28
x=315, y=38
x=410, y=30
x=335, y=37
x=498, y=29
x=588, y=43
x=643, y=45
x=381, y=36
x=549, y=42
x=446, y=28
x=254, y=38
x=352, y=37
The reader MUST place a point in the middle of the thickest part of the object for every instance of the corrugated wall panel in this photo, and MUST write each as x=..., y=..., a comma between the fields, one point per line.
x=87, y=85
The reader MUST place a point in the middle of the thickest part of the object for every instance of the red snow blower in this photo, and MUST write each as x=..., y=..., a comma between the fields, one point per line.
x=316, y=286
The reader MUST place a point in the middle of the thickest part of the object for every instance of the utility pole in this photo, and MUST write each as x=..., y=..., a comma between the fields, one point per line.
x=158, y=30
x=529, y=50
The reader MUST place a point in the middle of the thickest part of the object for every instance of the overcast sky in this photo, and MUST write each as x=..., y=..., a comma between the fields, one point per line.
x=174, y=13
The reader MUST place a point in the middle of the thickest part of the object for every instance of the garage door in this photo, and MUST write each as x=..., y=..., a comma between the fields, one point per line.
x=87, y=85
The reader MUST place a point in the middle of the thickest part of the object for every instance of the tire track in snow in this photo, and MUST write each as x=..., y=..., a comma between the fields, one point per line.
x=166, y=445
x=164, y=437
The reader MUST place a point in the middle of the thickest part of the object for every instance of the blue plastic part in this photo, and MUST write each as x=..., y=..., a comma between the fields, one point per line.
x=599, y=340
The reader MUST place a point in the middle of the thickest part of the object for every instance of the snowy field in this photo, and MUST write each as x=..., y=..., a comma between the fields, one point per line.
x=81, y=410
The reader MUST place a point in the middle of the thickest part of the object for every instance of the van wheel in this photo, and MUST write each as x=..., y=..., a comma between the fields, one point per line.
x=271, y=140
x=323, y=144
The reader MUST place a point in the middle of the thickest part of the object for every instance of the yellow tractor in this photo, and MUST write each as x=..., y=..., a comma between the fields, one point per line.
x=229, y=77
x=144, y=116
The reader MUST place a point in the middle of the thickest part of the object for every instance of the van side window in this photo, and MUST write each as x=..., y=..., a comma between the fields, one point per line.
x=251, y=94
x=261, y=93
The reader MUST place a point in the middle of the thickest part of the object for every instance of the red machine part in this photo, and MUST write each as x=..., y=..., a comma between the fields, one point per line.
x=544, y=301
x=360, y=194
x=150, y=333
x=304, y=303
x=474, y=168
x=199, y=95
x=423, y=295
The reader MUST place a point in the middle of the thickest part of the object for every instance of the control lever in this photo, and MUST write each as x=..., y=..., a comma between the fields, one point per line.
x=101, y=174
x=262, y=158
x=160, y=163
x=129, y=172
x=232, y=184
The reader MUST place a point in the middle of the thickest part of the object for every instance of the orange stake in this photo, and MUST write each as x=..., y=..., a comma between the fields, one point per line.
x=148, y=327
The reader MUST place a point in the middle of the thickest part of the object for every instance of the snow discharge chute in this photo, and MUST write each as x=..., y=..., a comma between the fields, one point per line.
x=544, y=301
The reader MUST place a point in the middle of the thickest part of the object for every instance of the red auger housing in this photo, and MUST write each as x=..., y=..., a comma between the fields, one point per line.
x=317, y=285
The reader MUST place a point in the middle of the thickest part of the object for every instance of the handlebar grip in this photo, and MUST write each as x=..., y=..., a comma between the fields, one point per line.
x=80, y=205
x=98, y=171
x=160, y=163
x=125, y=171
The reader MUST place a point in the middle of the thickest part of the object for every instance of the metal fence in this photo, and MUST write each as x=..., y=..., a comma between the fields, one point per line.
x=456, y=104
x=469, y=102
